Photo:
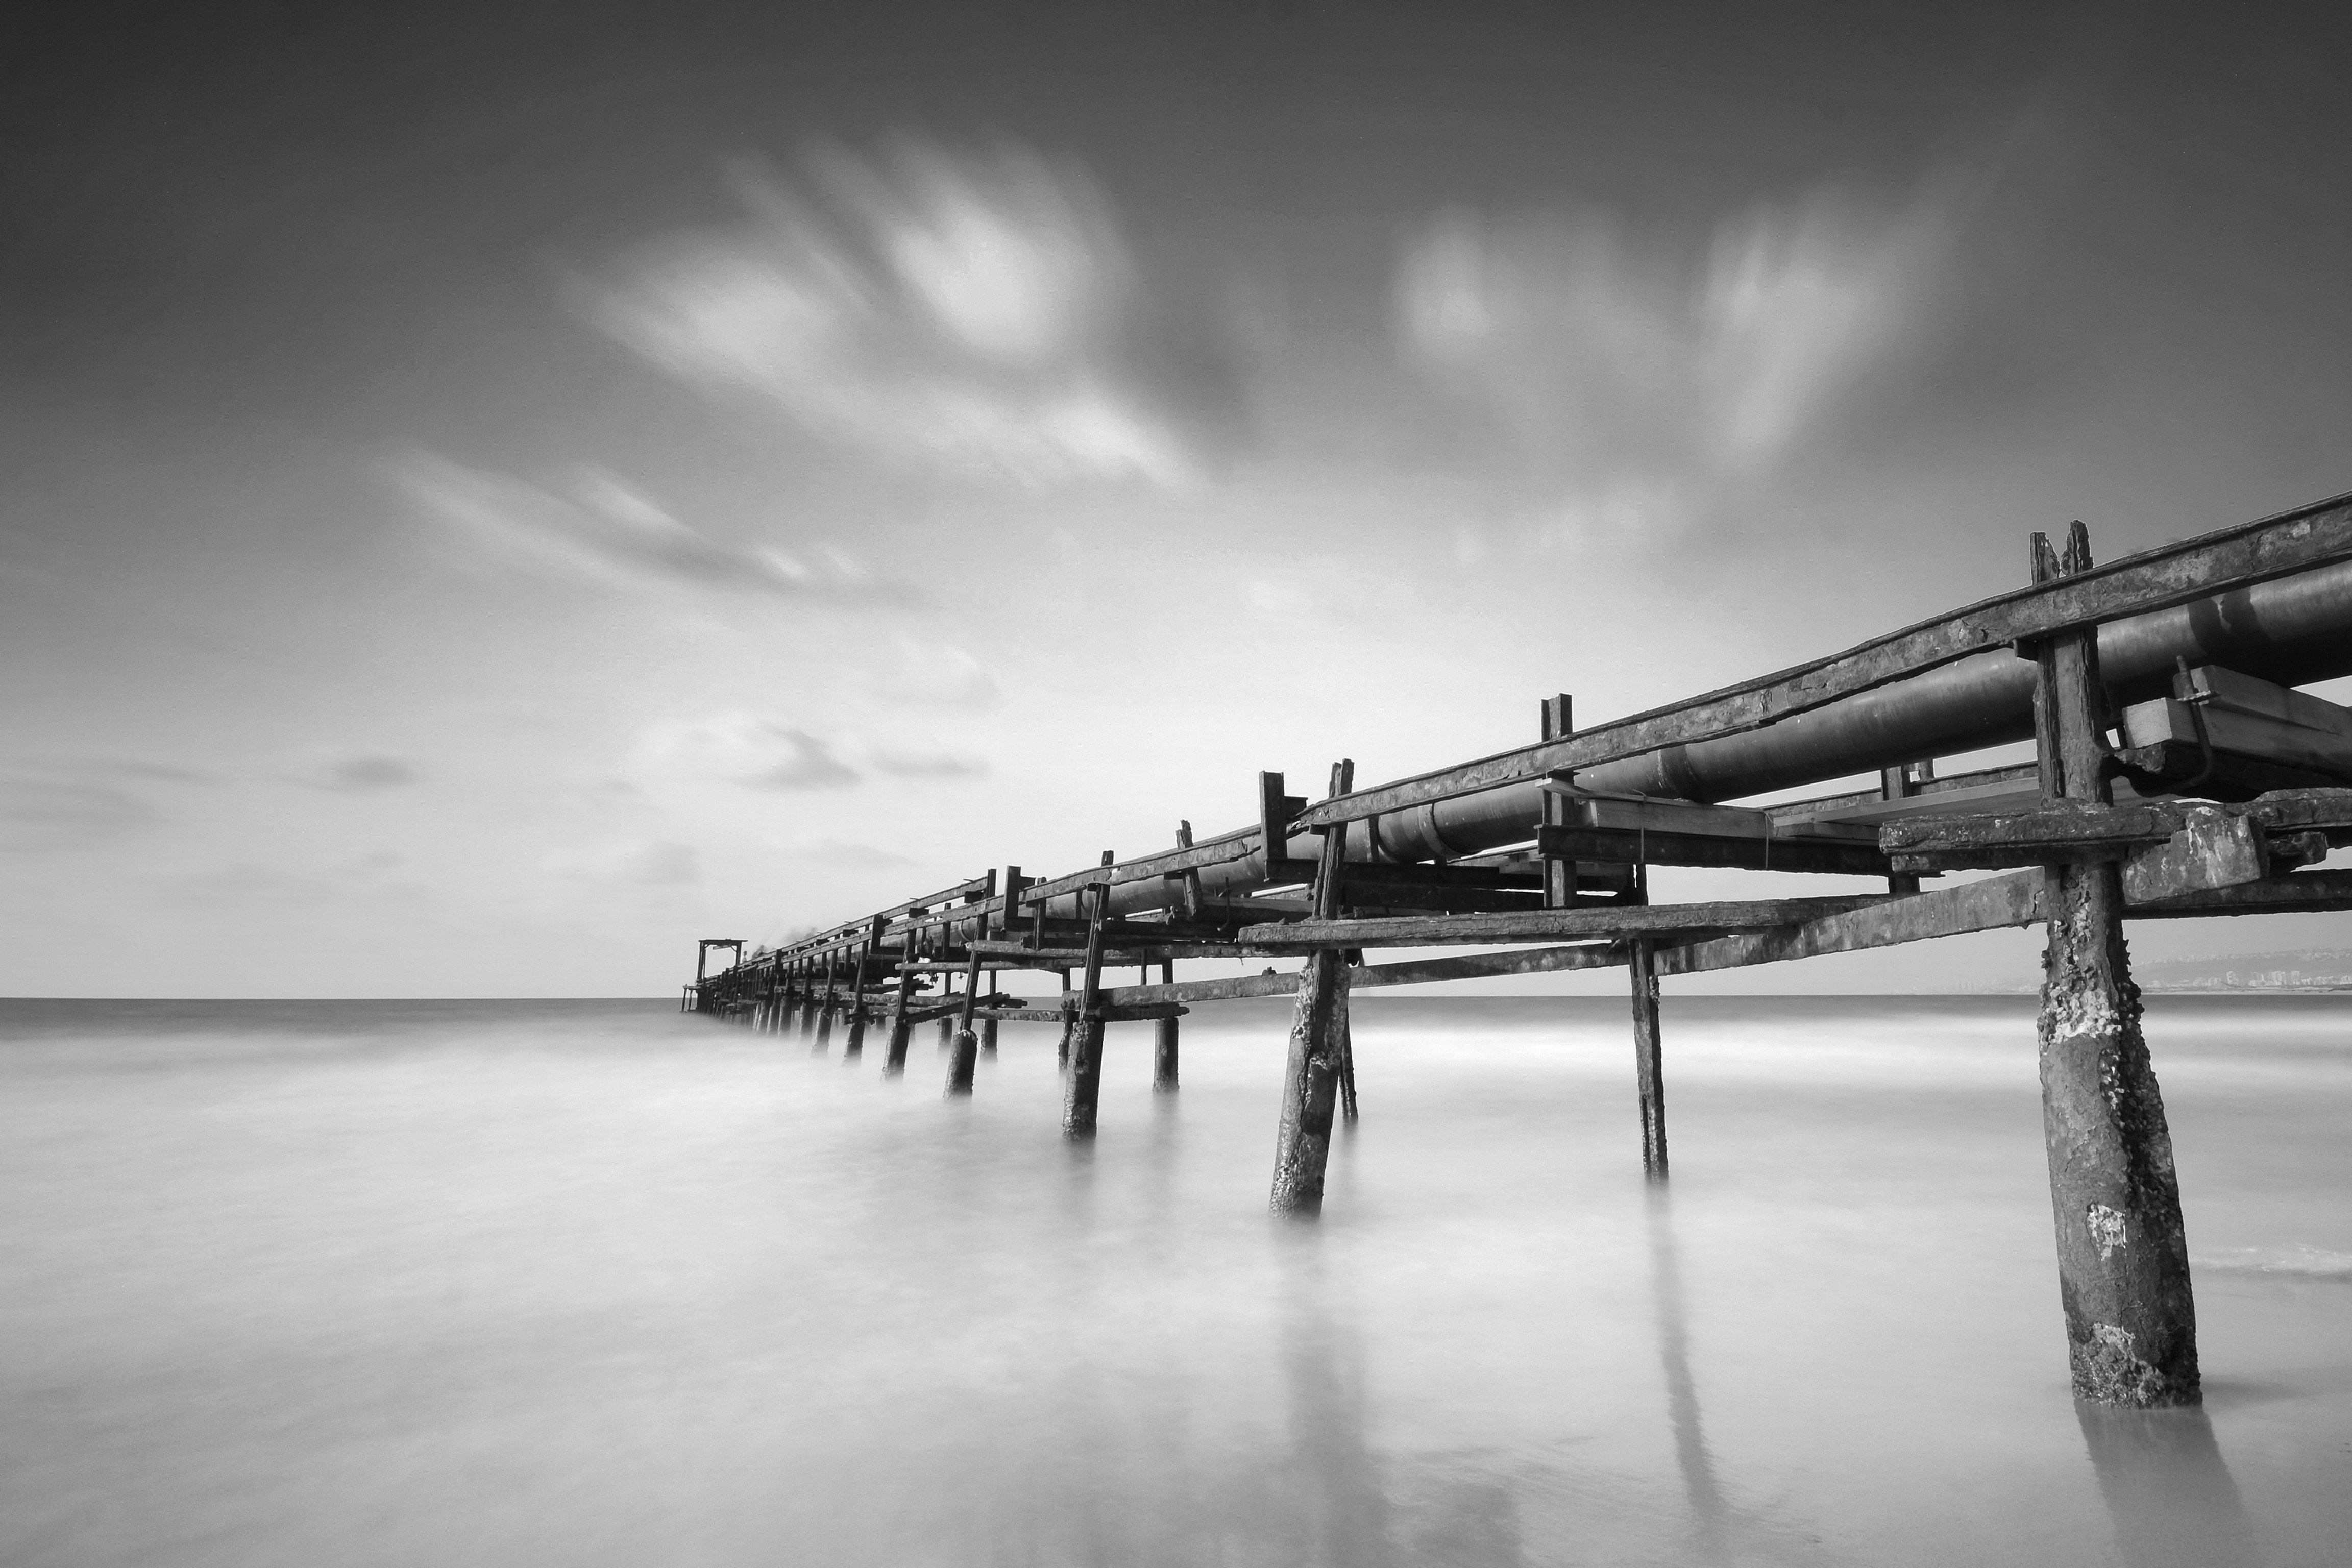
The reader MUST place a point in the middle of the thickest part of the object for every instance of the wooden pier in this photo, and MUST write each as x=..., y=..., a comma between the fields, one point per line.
x=2187, y=777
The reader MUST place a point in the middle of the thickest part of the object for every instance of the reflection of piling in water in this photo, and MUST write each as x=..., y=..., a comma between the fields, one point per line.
x=1343, y=1514
x=1711, y=1518
x=2170, y=1493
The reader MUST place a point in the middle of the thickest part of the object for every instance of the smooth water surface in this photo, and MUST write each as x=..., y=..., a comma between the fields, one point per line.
x=590, y=1283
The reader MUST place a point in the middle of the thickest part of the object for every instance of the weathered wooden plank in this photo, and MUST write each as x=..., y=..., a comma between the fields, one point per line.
x=2158, y=579
x=2077, y=832
x=2299, y=892
x=1540, y=925
x=2212, y=849
x=1988, y=789
x=2273, y=740
x=2229, y=690
x=1611, y=814
x=1105, y=1014
x=1370, y=891
x=1792, y=854
x=1997, y=901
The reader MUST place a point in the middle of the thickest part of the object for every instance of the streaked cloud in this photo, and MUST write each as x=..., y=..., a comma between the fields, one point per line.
x=255, y=883
x=598, y=529
x=929, y=673
x=58, y=809
x=1634, y=376
x=364, y=772
x=744, y=749
x=928, y=764
x=638, y=862
x=854, y=857
x=977, y=312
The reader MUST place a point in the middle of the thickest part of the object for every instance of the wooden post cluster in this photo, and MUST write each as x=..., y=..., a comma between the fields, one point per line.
x=2275, y=762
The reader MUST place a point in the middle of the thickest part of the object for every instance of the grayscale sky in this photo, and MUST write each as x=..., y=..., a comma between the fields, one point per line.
x=491, y=494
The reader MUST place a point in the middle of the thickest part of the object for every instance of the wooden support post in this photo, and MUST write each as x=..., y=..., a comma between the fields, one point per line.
x=1317, y=1028
x=1348, y=1061
x=1163, y=1043
x=1558, y=871
x=901, y=1025
x=2122, y=1258
x=1899, y=783
x=825, y=1007
x=1649, y=1073
x=1082, y=1085
x=1185, y=887
x=1069, y=1025
x=967, y=1044
x=853, y=1044
x=808, y=1003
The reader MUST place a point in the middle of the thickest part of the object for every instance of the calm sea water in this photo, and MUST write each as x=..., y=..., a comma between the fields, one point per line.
x=596, y=1283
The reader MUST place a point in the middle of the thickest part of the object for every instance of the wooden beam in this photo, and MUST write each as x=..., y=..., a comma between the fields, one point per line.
x=2159, y=579
x=1988, y=789
x=1540, y=925
x=2227, y=690
x=1751, y=854
x=2076, y=832
x=1997, y=901
x=2273, y=740
x=2299, y=892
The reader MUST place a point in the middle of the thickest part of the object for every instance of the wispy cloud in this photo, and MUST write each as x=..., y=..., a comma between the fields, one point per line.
x=745, y=749
x=641, y=862
x=1636, y=378
x=598, y=529
x=931, y=763
x=855, y=857
x=253, y=883
x=44, y=810
x=978, y=312
x=363, y=772
x=939, y=674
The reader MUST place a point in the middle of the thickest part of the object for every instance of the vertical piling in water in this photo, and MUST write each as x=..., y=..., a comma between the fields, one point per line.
x=967, y=1043
x=1163, y=1043
x=1318, y=1024
x=1082, y=1085
x=808, y=999
x=1069, y=1025
x=2114, y=1198
x=1649, y=1067
x=824, y=1007
x=902, y=1026
x=1347, y=1059
x=853, y=1044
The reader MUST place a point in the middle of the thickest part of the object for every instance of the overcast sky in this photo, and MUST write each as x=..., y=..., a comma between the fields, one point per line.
x=485, y=500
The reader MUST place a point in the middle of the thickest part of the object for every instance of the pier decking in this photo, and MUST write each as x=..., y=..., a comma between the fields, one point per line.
x=2178, y=772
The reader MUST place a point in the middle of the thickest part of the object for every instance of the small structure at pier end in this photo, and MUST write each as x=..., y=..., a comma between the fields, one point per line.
x=2178, y=772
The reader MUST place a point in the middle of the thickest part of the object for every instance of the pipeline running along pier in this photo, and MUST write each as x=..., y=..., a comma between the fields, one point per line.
x=2178, y=772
